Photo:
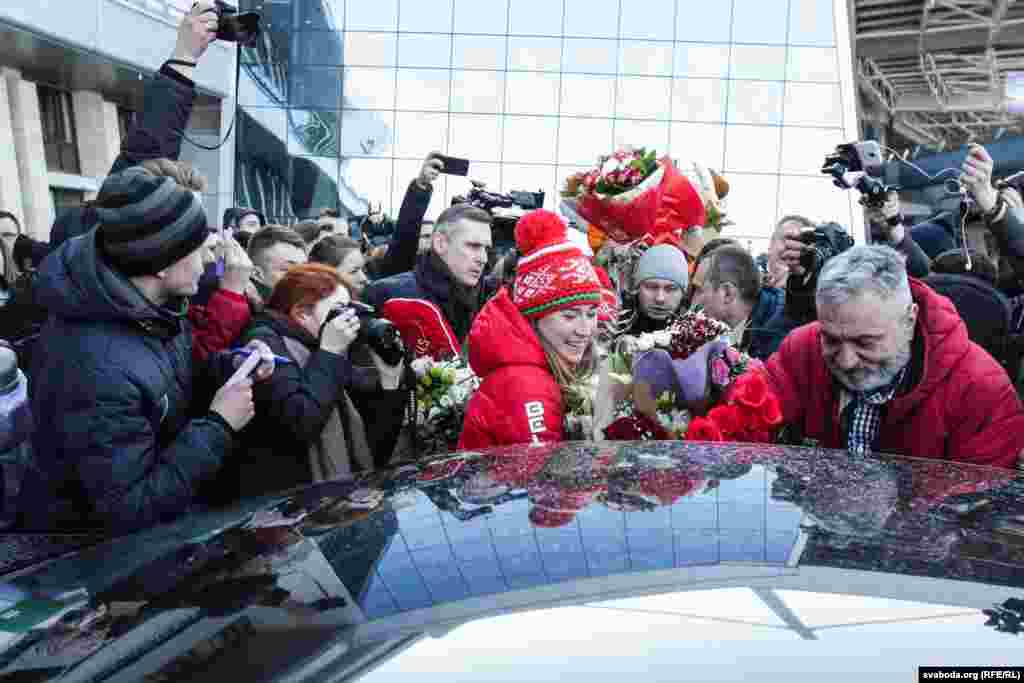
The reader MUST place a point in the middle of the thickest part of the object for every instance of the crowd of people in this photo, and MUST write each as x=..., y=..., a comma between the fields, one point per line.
x=141, y=315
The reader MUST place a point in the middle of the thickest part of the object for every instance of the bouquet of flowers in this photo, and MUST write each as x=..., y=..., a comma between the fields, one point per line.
x=690, y=383
x=443, y=388
x=623, y=197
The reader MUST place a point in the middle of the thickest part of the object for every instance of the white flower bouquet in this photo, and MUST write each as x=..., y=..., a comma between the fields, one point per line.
x=443, y=389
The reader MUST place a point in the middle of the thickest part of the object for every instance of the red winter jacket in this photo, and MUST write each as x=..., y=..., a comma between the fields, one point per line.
x=217, y=325
x=518, y=400
x=963, y=408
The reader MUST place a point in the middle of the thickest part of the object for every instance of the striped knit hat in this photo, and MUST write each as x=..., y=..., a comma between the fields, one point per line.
x=552, y=274
x=147, y=223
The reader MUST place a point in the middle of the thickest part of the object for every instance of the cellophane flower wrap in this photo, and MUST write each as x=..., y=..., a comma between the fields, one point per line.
x=623, y=197
x=443, y=389
x=732, y=386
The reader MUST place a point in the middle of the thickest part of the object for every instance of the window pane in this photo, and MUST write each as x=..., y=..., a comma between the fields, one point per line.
x=367, y=133
x=653, y=20
x=369, y=88
x=645, y=59
x=315, y=87
x=314, y=184
x=369, y=179
x=535, y=54
x=813, y=64
x=649, y=134
x=422, y=90
x=314, y=133
x=490, y=174
x=759, y=21
x=813, y=104
x=698, y=141
x=754, y=210
x=481, y=92
x=478, y=52
x=370, y=49
x=532, y=93
x=535, y=18
x=321, y=48
x=698, y=99
x=406, y=170
x=580, y=141
x=381, y=15
x=755, y=102
x=475, y=137
x=807, y=197
x=481, y=16
x=754, y=149
x=418, y=134
x=592, y=18
x=530, y=139
x=643, y=98
x=588, y=96
x=693, y=59
x=758, y=62
x=703, y=21
x=426, y=16
x=810, y=23
x=327, y=15
x=590, y=56
x=803, y=149
x=417, y=49
x=258, y=123
x=272, y=77
x=530, y=179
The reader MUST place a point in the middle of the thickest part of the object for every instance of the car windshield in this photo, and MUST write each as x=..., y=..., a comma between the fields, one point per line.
x=567, y=562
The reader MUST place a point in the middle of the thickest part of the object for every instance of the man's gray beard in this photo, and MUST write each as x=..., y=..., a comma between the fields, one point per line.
x=879, y=378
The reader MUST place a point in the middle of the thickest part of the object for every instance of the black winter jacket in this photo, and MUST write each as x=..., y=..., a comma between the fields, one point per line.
x=115, y=444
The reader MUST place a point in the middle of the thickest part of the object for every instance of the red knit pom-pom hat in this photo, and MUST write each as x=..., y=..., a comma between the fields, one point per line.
x=609, y=308
x=552, y=273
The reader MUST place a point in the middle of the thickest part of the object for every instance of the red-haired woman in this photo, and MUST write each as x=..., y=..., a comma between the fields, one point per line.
x=305, y=429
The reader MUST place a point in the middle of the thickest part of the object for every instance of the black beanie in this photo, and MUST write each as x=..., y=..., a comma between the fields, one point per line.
x=147, y=223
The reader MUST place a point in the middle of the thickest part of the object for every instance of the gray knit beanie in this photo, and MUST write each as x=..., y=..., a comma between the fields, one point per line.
x=147, y=223
x=663, y=262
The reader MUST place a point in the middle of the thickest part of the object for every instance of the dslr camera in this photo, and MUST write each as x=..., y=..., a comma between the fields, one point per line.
x=505, y=210
x=233, y=27
x=825, y=241
x=376, y=334
x=858, y=166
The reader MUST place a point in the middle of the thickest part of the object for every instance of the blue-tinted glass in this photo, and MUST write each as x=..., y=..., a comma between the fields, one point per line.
x=530, y=140
x=314, y=133
x=315, y=87
x=524, y=581
x=258, y=125
x=369, y=89
x=423, y=50
x=535, y=18
x=643, y=98
x=317, y=48
x=696, y=548
x=514, y=546
x=273, y=46
x=534, y=54
x=481, y=16
x=759, y=21
x=417, y=134
x=426, y=16
x=370, y=49
x=655, y=520
x=422, y=90
x=579, y=140
x=755, y=102
x=759, y=62
x=369, y=180
x=811, y=22
x=426, y=536
x=801, y=148
x=742, y=546
x=566, y=567
x=750, y=149
x=645, y=58
x=327, y=15
x=437, y=557
x=379, y=15
x=481, y=553
x=744, y=515
x=650, y=540
x=701, y=59
x=532, y=93
x=780, y=546
x=652, y=560
x=813, y=104
x=481, y=92
x=478, y=52
x=592, y=18
x=653, y=20
x=264, y=85
x=590, y=56
x=699, y=99
x=487, y=585
x=691, y=513
x=449, y=589
x=703, y=21
x=813, y=64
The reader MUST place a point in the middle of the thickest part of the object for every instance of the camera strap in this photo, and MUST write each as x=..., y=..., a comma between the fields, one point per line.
x=234, y=117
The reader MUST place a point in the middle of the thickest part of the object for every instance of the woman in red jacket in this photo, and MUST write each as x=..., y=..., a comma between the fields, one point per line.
x=533, y=341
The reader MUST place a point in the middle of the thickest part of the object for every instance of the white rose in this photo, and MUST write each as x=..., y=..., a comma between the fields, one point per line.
x=662, y=339
x=644, y=342
x=612, y=164
x=421, y=366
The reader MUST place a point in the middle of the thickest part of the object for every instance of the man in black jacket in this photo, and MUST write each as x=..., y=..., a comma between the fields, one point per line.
x=116, y=446
x=166, y=108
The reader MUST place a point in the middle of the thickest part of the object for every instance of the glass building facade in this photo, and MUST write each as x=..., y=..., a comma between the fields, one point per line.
x=342, y=100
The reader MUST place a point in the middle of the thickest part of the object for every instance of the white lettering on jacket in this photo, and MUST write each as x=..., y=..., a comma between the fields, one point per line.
x=535, y=419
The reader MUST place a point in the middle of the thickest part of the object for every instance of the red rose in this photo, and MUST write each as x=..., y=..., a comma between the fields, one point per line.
x=703, y=429
x=750, y=389
x=668, y=486
x=636, y=428
x=729, y=419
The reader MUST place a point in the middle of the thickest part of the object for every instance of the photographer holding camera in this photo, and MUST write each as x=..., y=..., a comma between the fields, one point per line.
x=306, y=428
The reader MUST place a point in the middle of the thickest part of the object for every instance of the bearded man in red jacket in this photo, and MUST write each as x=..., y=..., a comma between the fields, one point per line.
x=888, y=368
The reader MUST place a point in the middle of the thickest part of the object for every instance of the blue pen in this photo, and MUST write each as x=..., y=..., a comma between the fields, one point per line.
x=278, y=360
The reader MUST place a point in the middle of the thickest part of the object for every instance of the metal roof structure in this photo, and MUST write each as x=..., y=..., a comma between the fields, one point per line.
x=937, y=69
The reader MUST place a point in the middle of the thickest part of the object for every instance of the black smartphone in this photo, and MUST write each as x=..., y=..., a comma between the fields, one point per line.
x=454, y=165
